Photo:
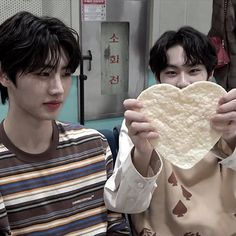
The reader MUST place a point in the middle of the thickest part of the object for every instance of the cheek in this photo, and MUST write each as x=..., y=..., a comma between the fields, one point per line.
x=32, y=87
x=203, y=76
x=67, y=86
x=166, y=80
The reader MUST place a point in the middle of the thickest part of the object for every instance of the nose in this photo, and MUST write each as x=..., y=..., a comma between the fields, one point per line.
x=183, y=80
x=56, y=86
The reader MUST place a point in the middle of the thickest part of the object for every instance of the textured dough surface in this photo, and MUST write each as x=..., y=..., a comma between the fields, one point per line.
x=182, y=120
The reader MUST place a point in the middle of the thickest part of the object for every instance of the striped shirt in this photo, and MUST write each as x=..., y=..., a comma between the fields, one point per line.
x=60, y=191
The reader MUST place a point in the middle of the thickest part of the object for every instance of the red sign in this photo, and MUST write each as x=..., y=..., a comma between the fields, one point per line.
x=93, y=10
x=114, y=59
x=94, y=1
x=114, y=79
x=114, y=38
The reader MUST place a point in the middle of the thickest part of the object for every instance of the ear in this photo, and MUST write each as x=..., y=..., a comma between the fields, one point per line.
x=3, y=78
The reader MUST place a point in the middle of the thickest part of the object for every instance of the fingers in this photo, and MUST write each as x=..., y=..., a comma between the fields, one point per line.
x=132, y=104
x=231, y=95
x=227, y=103
x=224, y=122
x=132, y=113
x=136, y=116
x=227, y=107
x=137, y=123
x=142, y=129
x=224, y=127
x=224, y=117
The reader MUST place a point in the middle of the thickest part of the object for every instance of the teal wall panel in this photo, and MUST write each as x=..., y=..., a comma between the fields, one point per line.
x=104, y=123
x=3, y=111
x=69, y=112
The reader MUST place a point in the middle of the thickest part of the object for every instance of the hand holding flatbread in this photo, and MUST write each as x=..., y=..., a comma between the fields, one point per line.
x=182, y=120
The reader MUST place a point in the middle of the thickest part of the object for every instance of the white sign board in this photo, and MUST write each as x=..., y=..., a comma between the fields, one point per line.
x=93, y=10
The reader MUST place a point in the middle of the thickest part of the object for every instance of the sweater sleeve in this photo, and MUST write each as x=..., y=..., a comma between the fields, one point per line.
x=225, y=154
x=127, y=190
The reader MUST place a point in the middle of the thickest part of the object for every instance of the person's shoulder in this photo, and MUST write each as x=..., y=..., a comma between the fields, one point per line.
x=67, y=126
x=75, y=129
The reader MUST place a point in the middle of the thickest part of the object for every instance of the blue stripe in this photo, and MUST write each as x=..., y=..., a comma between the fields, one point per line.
x=51, y=179
x=74, y=226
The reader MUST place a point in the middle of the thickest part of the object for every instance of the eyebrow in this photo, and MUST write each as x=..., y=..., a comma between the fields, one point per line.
x=48, y=66
x=186, y=65
x=171, y=66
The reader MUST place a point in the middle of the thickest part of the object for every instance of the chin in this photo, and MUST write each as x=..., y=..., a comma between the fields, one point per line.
x=53, y=116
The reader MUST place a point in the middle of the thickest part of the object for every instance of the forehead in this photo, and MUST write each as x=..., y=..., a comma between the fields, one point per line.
x=176, y=56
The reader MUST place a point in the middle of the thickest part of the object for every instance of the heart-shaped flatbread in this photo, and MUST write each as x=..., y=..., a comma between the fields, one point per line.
x=182, y=120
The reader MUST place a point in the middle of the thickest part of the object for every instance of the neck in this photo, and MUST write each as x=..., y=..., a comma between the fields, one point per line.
x=31, y=136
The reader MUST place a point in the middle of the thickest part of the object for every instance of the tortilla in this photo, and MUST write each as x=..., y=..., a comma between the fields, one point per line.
x=182, y=120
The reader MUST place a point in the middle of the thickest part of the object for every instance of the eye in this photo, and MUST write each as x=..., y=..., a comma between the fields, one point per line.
x=66, y=74
x=42, y=73
x=194, y=71
x=170, y=73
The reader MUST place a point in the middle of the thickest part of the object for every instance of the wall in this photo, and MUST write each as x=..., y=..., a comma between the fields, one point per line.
x=169, y=15
x=172, y=14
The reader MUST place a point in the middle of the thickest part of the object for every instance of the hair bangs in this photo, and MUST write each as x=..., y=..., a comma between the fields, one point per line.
x=191, y=59
x=46, y=56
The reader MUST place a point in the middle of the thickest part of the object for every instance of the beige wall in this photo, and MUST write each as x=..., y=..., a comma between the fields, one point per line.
x=171, y=14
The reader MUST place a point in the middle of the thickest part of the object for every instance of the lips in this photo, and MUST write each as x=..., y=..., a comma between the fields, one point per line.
x=53, y=105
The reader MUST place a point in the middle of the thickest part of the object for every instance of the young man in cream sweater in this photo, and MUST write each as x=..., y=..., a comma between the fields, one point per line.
x=165, y=200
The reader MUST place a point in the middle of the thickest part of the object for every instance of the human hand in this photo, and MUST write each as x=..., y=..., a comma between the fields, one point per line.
x=139, y=127
x=225, y=118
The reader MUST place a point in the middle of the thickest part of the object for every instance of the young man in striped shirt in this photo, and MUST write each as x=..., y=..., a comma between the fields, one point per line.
x=52, y=174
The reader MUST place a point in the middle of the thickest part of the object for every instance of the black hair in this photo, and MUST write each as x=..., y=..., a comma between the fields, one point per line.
x=197, y=47
x=26, y=42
